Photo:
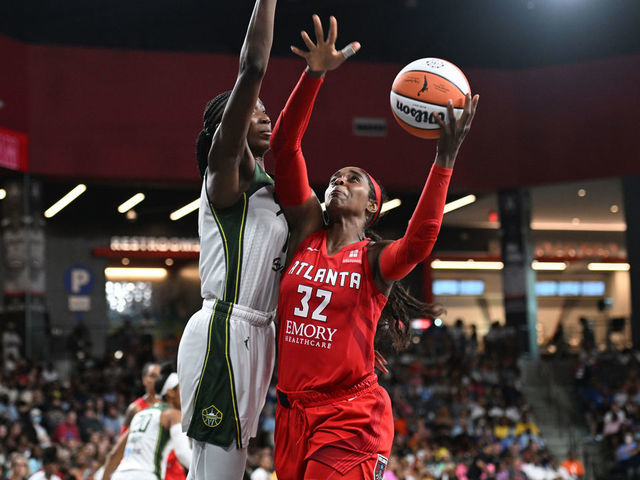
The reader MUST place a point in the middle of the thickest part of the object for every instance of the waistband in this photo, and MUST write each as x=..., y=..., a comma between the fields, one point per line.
x=313, y=398
x=240, y=312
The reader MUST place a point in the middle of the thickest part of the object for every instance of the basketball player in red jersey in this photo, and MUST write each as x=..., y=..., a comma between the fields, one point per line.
x=333, y=419
x=150, y=374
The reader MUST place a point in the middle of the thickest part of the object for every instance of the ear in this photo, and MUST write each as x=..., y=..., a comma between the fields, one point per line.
x=372, y=207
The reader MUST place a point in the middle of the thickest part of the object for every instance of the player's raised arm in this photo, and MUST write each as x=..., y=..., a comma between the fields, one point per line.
x=228, y=177
x=398, y=258
x=301, y=206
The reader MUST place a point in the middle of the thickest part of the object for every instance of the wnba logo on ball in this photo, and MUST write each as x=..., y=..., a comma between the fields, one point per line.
x=420, y=116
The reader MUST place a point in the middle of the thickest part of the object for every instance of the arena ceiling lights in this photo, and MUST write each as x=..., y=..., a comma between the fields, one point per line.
x=492, y=265
x=3, y=193
x=459, y=203
x=465, y=265
x=66, y=200
x=123, y=273
x=186, y=210
x=608, y=267
x=132, y=202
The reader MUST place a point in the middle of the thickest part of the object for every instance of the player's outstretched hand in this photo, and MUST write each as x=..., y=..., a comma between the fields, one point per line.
x=322, y=55
x=454, y=130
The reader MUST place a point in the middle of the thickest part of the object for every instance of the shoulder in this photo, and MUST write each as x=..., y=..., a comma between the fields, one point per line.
x=376, y=246
x=169, y=417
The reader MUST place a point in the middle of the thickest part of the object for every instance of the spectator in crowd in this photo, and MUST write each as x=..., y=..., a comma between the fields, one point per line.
x=49, y=466
x=573, y=467
x=11, y=348
x=628, y=458
x=265, y=465
x=67, y=431
x=19, y=467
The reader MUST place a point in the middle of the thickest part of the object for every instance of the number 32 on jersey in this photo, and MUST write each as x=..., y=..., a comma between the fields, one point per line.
x=308, y=292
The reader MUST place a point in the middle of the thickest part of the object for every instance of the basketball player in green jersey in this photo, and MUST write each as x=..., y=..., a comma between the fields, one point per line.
x=227, y=350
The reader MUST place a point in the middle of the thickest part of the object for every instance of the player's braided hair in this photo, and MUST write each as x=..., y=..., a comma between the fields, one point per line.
x=401, y=307
x=211, y=119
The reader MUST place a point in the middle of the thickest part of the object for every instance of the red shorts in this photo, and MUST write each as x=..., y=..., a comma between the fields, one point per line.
x=341, y=430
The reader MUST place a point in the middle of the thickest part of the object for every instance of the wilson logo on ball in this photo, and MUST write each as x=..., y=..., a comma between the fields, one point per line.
x=420, y=116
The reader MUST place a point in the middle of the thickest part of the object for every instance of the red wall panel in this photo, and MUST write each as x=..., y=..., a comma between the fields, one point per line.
x=13, y=84
x=134, y=115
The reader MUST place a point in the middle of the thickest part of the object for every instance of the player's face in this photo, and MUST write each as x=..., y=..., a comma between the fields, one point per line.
x=259, y=132
x=150, y=378
x=348, y=190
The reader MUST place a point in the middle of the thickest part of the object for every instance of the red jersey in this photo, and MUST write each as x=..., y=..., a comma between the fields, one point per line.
x=328, y=311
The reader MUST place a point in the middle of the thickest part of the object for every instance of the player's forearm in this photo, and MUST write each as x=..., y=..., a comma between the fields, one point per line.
x=294, y=118
x=180, y=443
x=254, y=55
x=292, y=183
x=401, y=256
x=115, y=456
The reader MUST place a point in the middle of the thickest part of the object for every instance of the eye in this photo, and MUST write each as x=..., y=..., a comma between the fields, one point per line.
x=355, y=178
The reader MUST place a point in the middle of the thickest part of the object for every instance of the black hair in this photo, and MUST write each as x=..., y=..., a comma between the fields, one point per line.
x=49, y=455
x=165, y=370
x=210, y=119
x=401, y=307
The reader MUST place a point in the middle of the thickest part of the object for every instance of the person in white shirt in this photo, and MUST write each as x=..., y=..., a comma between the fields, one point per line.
x=265, y=466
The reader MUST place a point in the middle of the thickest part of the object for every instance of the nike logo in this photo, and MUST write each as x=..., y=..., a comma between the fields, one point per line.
x=313, y=249
x=246, y=343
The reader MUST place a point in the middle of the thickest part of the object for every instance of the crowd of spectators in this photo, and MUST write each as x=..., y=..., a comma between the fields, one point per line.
x=608, y=388
x=459, y=413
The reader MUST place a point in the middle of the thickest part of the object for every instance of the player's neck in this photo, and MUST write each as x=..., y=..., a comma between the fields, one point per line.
x=151, y=398
x=343, y=233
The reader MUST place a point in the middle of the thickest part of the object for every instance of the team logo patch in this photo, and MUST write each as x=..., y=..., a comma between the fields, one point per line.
x=354, y=256
x=211, y=416
x=381, y=465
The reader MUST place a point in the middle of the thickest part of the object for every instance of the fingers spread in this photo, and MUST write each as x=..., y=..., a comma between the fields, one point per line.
x=300, y=53
x=307, y=40
x=466, y=110
x=333, y=30
x=452, y=116
x=317, y=25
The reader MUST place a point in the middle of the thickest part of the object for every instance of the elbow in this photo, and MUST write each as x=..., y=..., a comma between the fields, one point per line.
x=253, y=66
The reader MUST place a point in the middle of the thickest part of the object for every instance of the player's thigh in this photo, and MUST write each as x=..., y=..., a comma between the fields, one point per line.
x=215, y=462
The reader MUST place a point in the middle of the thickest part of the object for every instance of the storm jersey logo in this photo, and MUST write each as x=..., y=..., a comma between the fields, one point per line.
x=211, y=416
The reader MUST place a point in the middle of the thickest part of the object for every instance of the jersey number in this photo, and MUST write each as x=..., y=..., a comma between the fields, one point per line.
x=140, y=423
x=303, y=309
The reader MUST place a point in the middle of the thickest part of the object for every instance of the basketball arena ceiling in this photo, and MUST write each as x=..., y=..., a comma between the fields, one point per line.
x=471, y=33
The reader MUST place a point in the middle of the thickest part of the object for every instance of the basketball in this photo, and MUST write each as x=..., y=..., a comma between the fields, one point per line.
x=421, y=90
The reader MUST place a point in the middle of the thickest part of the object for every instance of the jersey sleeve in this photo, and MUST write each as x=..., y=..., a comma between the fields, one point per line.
x=401, y=256
x=292, y=184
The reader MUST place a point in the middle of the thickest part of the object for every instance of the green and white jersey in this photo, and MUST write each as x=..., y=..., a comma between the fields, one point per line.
x=243, y=247
x=148, y=443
